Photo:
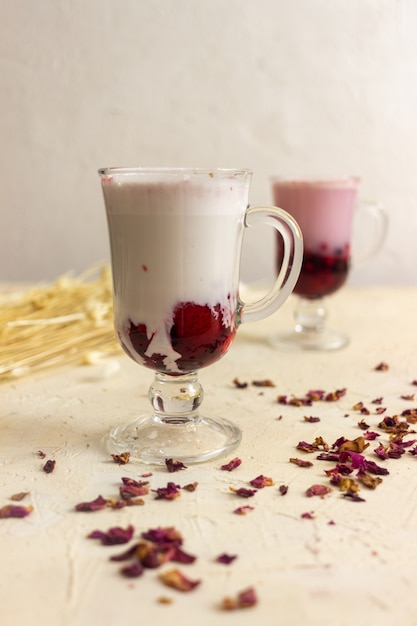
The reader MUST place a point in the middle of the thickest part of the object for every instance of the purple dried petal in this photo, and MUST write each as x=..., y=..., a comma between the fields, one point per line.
x=311, y=419
x=15, y=510
x=126, y=555
x=318, y=490
x=349, y=495
x=370, y=435
x=242, y=510
x=226, y=559
x=162, y=536
x=93, y=505
x=174, y=466
x=242, y=492
x=132, y=571
x=114, y=536
x=49, y=466
x=170, y=492
x=233, y=464
x=307, y=515
x=180, y=556
x=261, y=481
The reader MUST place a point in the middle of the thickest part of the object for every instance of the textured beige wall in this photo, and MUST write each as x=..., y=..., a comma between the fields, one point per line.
x=280, y=86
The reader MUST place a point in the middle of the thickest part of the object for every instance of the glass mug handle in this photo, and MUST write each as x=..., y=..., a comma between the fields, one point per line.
x=380, y=222
x=285, y=282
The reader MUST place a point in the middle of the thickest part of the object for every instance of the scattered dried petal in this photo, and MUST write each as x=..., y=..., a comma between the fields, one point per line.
x=177, y=580
x=352, y=496
x=318, y=490
x=301, y=462
x=233, y=464
x=133, y=488
x=134, y=570
x=49, y=466
x=191, y=486
x=114, y=536
x=17, y=497
x=163, y=535
x=93, y=505
x=41, y=454
x=242, y=510
x=382, y=367
x=170, y=492
x=261, y=481
x=311, y=419
x=238, y=384
x=243, y=492
x=121, y=459
x=226, y=559
x=369, y=481
x=283, y=489
x=308, y=515
x=245, y=599
x=15, y=510
x=263, y=383
x=174, y=466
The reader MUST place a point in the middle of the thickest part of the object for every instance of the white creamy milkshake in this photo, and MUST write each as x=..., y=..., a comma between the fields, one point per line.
x=175, y=249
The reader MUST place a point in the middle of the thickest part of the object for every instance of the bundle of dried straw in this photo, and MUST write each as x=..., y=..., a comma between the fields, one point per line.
x=65, y=323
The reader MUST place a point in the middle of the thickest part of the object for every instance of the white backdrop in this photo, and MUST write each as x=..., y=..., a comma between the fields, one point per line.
x=291, y=87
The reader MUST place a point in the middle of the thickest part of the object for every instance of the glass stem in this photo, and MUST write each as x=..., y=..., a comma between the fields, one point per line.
x=176, y=399
x=310, y=315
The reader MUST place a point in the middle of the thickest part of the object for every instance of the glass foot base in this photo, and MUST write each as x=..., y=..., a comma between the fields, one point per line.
x=313, y=340
x=150, y=440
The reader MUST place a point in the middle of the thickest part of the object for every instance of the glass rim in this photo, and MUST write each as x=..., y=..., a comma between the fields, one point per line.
x=175, y=171
x=317, y=181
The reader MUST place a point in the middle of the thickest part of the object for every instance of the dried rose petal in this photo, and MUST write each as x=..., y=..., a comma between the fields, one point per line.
x=245, y=599
x=174, y=466
x=369, y=481
x=49, y=466
x=41, y=454
x=261, y=481
x=238, y=384
x=114, y=536
x=132, y=488
x=177, y=580
x=263, y=383
x=15, y=510
x=121, y=459
x=233, y=464
x=191, y=486
x=126, y=555
x=308, y=515
x=170, y=492
x=311, y=419
x=153, y=555
x=333, y=396
x=355, y=445
x=242, y=510
x=382, y=367
x=318, y=490
x=180, y=556
x=408, y=396
x=283, y=489
x=370, y=435
x=301, y=462
x=134, y=570
x=352, y=496
x=315, y=394
x=242, y=492
x=226, y=559
x=17, y=497
x=167, y=534
x=93, y=505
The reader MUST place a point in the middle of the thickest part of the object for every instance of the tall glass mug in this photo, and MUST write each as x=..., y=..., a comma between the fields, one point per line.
x=175, y=238
x=324, y=210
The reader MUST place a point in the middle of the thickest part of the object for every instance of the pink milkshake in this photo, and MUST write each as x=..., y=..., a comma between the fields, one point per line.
x=324, y=211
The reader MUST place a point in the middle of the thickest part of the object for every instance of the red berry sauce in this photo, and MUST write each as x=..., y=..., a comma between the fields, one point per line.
x=198, y=334
x=322, y=273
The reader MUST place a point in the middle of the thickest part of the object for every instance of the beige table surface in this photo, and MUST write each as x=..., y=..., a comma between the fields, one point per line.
x=351, y=563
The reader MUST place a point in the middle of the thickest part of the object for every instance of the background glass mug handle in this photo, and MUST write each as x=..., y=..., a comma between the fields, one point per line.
x=380, y=224
x=292, y=259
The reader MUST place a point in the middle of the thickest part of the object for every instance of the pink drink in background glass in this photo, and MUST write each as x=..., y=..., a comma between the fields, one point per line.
x=324, y=211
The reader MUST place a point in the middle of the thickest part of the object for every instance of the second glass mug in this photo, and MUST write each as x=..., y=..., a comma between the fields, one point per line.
x=325, y=211
x=175, y=239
